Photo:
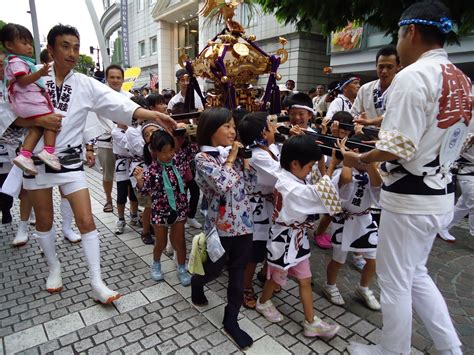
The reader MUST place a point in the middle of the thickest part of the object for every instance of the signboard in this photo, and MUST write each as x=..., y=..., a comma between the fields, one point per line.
x=347, y=39
x=130, y=75
x=125, y=42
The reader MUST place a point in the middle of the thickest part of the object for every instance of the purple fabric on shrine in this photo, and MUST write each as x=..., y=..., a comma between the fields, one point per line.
x=272, y=88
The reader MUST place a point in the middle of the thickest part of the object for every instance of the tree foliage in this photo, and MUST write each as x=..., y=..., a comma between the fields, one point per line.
x=85, y=64
x=331, y=15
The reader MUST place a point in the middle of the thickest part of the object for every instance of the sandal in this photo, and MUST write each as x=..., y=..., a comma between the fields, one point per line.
x=147, y=239
x=108, y=207
x=250, y=300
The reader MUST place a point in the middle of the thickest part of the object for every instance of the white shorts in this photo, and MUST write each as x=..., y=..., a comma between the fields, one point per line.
x=76, y=182
x=341, y=256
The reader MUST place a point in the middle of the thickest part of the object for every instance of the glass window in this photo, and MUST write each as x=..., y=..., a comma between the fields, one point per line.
x=188, y=36
x=140, y=5
x=141, y=49
x=151, y=2
x=153, y=45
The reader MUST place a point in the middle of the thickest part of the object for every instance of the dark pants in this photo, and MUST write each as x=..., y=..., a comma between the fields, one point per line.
x=6, y=201
x=237, y=250
x=194, y=199
x=124, y=190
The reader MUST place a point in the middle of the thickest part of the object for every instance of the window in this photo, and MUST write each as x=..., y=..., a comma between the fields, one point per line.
x=153, y=45
x=141, y=49
x=140, y=5
x=151, y=2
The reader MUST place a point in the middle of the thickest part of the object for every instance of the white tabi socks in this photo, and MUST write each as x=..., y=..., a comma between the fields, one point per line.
x=21, y=237
x=47, y=241
x=68, y=215
x=100, y=292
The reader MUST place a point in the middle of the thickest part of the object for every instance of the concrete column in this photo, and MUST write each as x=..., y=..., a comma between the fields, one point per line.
x=166, y=70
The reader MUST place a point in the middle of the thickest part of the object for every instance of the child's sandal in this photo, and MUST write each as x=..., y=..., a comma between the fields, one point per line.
x=250, y=300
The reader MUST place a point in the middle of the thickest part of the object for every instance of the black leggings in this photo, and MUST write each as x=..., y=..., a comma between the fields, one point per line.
x=237, y=250
x=194, y=200
x=124, y=189
x=6, y=201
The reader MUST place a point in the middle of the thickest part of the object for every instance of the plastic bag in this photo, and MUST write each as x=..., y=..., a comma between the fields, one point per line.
x=198, y=255
x=215, y=250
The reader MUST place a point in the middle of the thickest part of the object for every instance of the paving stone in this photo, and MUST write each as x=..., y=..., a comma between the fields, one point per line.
x=158, y=292
x=116, y=343
x=226, y=347
x=120, y=330
x=183, y=339
x=150, y=341
x=134, y=336
x=64, y=325
x=102, y=337
x=25, y=339
x=69, y=339
x=362, y=328
x=166, y=347
x=98, y=313
x=98, y=350
x=201, y=346
x=130, y=301
x=267, y=345
x=250, y=327
x=83, y=345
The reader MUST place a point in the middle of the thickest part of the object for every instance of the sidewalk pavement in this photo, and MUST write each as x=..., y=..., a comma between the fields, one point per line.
x=158, y=317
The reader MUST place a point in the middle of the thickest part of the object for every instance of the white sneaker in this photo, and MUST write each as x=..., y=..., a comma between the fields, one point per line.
x=69, y=234
x=269, y=311
x=192, y=222
x=446, y=236
x=25, y=164
x=319, y=328
x=119, y=226
x=50, y=159
x=333, y=295
x=21, y=237
x=369, y=298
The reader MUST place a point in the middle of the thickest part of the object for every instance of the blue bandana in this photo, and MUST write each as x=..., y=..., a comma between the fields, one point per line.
x=445, y=24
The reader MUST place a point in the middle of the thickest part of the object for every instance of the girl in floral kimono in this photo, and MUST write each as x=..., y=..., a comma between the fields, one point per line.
x=169, y=203
x=226, y=182
x=296, y=204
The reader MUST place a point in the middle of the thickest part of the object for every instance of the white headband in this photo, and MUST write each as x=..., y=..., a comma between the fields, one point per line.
x=303, y=107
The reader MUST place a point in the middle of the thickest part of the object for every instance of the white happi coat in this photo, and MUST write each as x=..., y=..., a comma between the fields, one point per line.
x=296, y=202
x=355, y=229
x=135, y=144
x=428, y=102
x=370, y=100
x=75, y=99
x=262, y=199
x=122, y=154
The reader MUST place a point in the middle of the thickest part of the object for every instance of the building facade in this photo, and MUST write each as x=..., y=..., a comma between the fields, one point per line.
x=159, y=29
x=362, y=60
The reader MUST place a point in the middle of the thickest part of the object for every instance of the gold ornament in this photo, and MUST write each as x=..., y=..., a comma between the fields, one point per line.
x=241, y=49
x=224, y=79
x=278, y=76
x=283, y=53
x=282, y=41
x=252, y=38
